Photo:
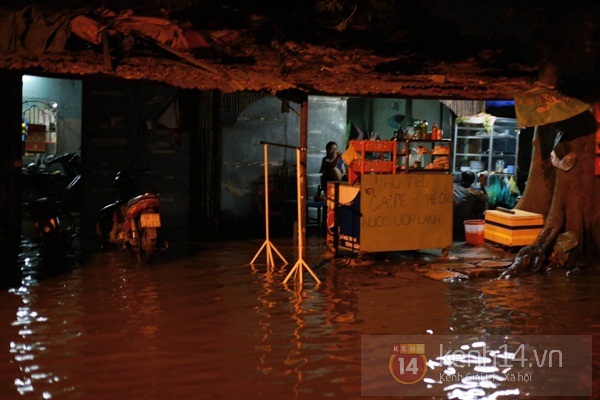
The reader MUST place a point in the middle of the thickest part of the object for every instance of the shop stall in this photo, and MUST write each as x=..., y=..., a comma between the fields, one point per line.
x=393, y=207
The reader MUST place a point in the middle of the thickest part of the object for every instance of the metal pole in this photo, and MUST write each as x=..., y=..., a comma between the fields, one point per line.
x=301, y=166
x=266, y=207
x=267, y=243
x=300, y=264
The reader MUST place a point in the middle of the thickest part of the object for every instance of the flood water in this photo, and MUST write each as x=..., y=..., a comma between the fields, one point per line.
x=204, y=324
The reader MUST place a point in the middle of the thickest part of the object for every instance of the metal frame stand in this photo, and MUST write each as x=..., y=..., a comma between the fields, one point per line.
x=300, y=264
x=268, y=245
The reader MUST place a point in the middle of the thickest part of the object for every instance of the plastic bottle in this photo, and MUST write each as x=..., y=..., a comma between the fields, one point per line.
x=434, y=132
x=417, y=126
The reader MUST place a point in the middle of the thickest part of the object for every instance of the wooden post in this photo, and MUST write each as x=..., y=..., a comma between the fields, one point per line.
x=10, y=176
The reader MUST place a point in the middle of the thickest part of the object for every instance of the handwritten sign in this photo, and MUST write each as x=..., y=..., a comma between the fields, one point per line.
x=405, y=212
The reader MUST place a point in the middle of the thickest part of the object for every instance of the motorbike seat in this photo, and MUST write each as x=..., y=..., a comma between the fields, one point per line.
x=145, y=196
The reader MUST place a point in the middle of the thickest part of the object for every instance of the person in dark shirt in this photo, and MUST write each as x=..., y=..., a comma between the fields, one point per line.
x=332, y=165
x=469, y=203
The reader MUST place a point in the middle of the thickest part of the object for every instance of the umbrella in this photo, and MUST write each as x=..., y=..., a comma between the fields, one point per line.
x=544, y=105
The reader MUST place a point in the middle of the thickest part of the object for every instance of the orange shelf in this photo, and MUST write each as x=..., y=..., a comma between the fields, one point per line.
x=374, y=157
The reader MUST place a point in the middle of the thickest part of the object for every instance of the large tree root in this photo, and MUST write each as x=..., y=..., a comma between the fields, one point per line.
x=566, y=197
x=532, y=258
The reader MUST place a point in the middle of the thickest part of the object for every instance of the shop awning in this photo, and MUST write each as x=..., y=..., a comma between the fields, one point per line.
x=87, y=42
x=544, y=105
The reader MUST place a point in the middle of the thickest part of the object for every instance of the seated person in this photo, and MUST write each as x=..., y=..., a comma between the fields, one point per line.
x=469, y=203
x=332, y=165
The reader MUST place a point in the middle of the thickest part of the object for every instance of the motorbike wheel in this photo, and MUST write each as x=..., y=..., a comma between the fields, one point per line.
x=103, y=228
x=146, y=253
x=55, y=247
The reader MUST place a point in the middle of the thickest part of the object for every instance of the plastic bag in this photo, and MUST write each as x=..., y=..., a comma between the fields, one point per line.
x=494, y=191
x=502, y=192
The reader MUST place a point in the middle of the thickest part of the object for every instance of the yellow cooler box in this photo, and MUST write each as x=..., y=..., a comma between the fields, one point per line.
x=512, y=227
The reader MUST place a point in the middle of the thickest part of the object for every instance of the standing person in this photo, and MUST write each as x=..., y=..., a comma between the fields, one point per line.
x=332, y=166
x=469, y=203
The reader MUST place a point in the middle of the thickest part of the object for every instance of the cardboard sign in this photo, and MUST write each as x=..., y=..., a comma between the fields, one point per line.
x=405, y=212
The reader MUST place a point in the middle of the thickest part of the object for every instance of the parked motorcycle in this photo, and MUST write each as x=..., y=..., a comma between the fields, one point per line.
x=55, y=228
x=67, y=169
x=48, y=197
x=57, y=177
x=134, y=222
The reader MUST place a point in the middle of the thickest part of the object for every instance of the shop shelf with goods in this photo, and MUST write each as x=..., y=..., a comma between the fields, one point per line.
x=371, y=157
x=425, y=155
x=493, y=148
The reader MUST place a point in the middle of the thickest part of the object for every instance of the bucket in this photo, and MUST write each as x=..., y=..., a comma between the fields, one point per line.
x=474, y=230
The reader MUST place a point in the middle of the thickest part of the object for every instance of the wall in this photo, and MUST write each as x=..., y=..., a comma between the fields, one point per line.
x=373, y=114
x=384, y=109
x=327, y=120
x=242, y=175
x=356, y=113
x=67, y=93
x=243, y=155
x=121, y=130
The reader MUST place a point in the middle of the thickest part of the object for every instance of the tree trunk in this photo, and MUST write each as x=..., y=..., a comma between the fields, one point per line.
x=567, y=199
x=537, y=196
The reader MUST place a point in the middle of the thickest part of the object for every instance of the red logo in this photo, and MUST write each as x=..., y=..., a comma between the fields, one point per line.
x=408, y=363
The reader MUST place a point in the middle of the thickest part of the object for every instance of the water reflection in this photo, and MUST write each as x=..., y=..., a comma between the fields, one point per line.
x=477, y=371
x=208, y=325
x=29, y=343
x=500, y=306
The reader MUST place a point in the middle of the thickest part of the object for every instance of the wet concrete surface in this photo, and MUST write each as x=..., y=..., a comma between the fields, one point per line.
x=463, y=261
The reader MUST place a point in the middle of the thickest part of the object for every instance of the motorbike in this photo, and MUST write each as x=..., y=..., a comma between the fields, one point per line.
x=132, y=222
x=47, y=195
x=67, y=168
x=55, y=227
x=57, y=177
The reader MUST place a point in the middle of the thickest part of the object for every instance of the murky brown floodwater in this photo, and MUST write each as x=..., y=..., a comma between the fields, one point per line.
x=207, y=325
